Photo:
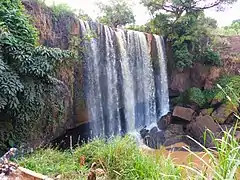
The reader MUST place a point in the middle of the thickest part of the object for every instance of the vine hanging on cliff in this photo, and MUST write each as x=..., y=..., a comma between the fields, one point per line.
x=26, y=70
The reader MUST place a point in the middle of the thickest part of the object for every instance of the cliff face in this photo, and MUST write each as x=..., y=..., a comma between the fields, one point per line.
x=203, y=76
x=59, y=32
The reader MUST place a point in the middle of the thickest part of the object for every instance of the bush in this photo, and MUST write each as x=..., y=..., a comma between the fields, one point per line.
x=195, y=95
x=182, y=56
x=190, y=96
x=62, y=10
x=230, y=87
x=211, y=57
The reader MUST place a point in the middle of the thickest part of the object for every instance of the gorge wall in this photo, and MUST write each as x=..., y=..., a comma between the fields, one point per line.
x=203, y=76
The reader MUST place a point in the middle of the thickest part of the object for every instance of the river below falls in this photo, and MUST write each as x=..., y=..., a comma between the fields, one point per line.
x=178, y=155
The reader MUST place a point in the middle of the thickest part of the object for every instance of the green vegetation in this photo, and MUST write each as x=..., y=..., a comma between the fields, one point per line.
x=62, y=10
x=229, y=90
x=121, y=158
x=83, y=16
x=223, y=163
x=27, y=74
x=195, y=95
x=225, y=90
x=233, y=29
x=186, y=28
x=116, y=13
x=53, y=162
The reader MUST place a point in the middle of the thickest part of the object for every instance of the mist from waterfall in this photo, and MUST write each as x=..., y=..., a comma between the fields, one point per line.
x=123, y=90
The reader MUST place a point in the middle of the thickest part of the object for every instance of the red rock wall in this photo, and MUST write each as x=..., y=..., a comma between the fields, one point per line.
x=57, y=32
x=203, y=76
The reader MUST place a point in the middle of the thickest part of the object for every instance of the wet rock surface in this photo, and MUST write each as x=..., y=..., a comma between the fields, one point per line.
x=154, y=138
x=202, y=125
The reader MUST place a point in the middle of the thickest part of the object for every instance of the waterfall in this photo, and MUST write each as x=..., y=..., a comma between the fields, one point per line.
x=123, y=93
x=162, y=80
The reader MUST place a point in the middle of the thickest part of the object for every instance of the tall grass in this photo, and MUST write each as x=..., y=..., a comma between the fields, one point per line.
x=223, y=162
x=121, y=158
x=52, y=162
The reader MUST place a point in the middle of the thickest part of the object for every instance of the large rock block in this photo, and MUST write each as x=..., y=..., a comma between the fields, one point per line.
x=202, y=124
x=222, y=113
x=183, y=113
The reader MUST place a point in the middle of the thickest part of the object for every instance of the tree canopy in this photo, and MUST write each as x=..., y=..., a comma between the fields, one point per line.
x=116, y=13
x=185, y=26
x=179, y=7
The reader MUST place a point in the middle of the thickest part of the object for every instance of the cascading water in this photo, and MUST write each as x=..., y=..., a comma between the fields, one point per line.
x=144, y=90
x=92, y=88
x=123, y=92
x=162, y=80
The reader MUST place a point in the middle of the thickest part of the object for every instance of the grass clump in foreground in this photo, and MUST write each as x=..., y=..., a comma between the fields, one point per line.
x=223, y=162
x=121, y=158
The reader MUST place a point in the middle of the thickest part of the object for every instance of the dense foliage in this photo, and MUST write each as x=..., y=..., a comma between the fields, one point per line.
x=116, y=13
x=229, y=87
x=225, y=90
x=186, y=28
x=233, y=29
x=195, y=95
x=61, y=10
x=26, y=72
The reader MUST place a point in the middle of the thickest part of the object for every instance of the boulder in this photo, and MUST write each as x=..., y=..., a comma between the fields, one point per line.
x=183, y=113
x=205, y=112
x=222, y=113
x=155, y=138
x=197, y=129
x=144, y=132
x=164, y=121
x=174, y=134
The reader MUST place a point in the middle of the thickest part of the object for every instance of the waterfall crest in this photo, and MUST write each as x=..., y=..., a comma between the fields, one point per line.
x=124, y=92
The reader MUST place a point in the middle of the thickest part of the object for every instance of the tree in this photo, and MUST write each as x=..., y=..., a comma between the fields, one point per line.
x=233, y=29
x=185, y=26
x=116, y=13
x=179, y=7
x=83, y=16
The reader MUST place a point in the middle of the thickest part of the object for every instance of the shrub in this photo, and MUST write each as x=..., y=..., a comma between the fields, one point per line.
x=229, y=87
x=211, y=57
x=195, y=95
x=61, y=10
x=182, y=56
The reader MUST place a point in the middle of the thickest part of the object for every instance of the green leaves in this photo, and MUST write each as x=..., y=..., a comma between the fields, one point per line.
x=26, y=70
x=116, y=13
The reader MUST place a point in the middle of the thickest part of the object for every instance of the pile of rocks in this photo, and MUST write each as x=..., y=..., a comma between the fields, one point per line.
x=184, y=122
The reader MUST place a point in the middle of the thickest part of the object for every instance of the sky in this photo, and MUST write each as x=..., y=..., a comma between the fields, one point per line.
x=142, y=16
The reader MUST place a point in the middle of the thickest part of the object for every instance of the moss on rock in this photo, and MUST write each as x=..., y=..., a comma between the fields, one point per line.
x=221, y=114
